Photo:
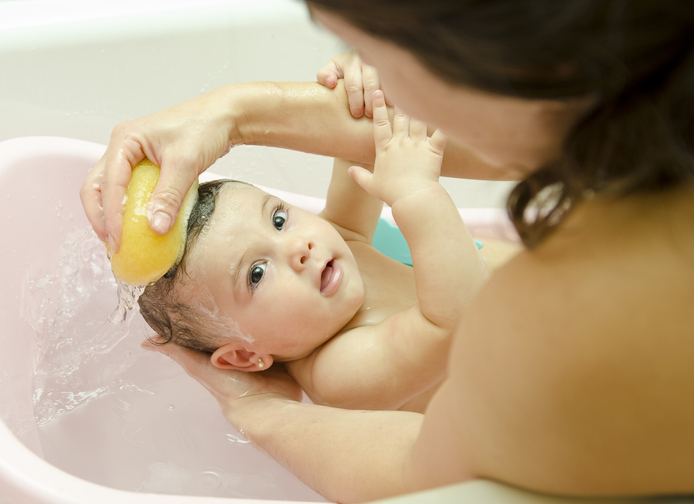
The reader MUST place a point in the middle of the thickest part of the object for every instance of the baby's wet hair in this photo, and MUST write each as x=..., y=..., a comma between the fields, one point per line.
x=172, y=319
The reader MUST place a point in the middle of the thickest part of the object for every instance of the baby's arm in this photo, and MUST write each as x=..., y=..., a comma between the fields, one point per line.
x=348, y=207
x=383, y=366
x=447, y=265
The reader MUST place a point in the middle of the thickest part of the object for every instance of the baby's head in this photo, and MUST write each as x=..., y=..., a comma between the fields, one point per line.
x=260, y=280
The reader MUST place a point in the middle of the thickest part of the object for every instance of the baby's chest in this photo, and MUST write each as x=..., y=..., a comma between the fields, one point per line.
x=389, y=287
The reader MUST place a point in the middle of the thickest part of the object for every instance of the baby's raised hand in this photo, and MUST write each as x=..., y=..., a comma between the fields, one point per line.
x=407, y=160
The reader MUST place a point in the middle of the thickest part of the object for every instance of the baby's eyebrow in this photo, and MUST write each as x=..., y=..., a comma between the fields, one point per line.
x=237, y=269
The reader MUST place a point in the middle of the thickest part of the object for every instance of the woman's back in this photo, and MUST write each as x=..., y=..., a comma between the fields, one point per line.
x=587, y=382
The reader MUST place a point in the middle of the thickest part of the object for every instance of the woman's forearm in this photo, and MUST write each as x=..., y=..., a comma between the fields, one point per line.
x=345, y=455
x=309, y=117
x=303, y=116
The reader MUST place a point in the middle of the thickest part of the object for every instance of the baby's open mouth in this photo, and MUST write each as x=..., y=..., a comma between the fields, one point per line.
x=331, y=277
x=326, y=275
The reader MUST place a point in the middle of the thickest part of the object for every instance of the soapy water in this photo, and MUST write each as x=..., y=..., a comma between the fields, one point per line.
x=111, y=413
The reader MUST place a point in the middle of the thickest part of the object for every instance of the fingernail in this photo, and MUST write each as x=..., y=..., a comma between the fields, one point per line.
x=161, y=222
x=112, y=244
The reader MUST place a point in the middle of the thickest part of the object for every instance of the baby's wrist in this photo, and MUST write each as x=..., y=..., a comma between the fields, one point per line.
x=422, y=190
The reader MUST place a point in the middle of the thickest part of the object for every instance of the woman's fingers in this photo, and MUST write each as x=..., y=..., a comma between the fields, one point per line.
x=354, y=84
x=90, y=195
x=224, y=384
x=371, y=84
x=116, y=177
x=175, y=180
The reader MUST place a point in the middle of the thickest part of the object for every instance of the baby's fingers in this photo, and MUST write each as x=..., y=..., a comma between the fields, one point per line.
x=401, y=124
x=382, y=130
x=329, y=75
x=361, y=176
x=418, y=130
x=438, y=141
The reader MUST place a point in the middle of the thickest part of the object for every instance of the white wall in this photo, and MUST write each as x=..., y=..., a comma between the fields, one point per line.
x=76, y=68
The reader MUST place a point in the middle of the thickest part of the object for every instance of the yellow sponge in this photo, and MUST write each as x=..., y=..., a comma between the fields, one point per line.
x=144, y=256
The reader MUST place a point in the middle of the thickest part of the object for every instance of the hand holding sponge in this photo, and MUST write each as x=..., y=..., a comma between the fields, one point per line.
x=144, y=256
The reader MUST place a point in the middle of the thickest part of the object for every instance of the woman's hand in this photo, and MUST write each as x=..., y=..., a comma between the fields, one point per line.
x=361, y=80
x=183, y=140
x=232, y=389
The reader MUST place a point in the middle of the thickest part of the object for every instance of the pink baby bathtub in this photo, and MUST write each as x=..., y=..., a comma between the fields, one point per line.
x=86, y=415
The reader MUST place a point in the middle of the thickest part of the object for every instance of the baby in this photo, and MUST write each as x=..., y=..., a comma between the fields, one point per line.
x=262, y=281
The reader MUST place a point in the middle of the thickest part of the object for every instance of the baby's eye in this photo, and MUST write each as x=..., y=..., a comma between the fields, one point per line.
x=255, y=274
x=279, y=218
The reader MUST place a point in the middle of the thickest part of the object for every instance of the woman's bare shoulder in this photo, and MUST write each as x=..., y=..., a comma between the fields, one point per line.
x=575, y=359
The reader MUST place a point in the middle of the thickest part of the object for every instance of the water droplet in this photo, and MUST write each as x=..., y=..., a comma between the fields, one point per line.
x=209, y=480
x=171, y=407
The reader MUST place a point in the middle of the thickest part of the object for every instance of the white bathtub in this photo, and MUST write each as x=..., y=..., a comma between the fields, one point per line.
x=129, y=426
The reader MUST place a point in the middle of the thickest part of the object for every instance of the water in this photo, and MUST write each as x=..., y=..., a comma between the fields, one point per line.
x=111, y=413
x=127, y=300
x=74, y=340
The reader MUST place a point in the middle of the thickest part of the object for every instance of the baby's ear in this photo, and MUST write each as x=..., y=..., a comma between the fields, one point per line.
x=231, y=356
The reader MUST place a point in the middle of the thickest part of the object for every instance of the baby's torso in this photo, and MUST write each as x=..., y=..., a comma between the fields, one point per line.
x=389, y=286
x=389, y=289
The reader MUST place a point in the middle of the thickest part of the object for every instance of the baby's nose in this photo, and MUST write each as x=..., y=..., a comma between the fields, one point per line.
x=300, y=253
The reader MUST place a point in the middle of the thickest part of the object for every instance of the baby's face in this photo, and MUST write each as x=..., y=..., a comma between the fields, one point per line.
x=283, y=275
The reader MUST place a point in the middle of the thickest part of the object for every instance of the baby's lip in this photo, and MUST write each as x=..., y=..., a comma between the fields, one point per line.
x=331, y=277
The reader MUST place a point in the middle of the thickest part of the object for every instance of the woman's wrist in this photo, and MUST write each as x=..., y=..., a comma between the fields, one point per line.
x=244, y=109
x=255, y=416
x=303, y=116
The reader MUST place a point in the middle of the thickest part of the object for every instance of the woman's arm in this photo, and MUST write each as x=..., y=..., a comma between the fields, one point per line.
x=345, y=455
x=188, y=138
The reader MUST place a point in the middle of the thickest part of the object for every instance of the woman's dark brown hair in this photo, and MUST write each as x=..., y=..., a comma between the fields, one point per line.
x=636, y=57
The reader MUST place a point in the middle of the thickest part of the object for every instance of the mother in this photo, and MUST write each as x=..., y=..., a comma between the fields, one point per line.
x=572, y=371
